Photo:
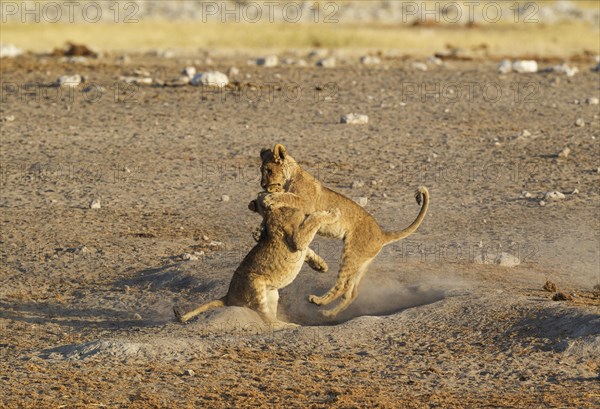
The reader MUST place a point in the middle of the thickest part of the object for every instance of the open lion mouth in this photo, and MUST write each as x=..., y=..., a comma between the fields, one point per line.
x=274, y=187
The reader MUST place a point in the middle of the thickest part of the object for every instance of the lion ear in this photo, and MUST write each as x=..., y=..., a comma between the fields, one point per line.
x=253, y=206
x=279, y=151
x=264, y=152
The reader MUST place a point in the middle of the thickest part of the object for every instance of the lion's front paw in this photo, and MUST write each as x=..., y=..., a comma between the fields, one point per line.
x=334, y=214
x=271, y=201
x=315, y=299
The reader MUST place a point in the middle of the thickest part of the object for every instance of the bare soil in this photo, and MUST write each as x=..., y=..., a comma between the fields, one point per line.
x=86, y=294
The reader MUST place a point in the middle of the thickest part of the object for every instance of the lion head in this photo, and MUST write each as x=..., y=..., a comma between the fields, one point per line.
x=276, y=168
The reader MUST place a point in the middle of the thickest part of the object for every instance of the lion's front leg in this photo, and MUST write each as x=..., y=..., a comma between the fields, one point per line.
x=315, y=261
x=283, y=199
x=302, y=237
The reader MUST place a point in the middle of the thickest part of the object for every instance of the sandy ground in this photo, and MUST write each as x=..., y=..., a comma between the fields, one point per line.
x=86, y=294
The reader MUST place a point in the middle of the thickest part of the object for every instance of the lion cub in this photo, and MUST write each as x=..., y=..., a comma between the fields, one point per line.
x=273, y=263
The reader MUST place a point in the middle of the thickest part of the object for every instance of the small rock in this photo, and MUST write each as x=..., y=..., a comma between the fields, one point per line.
x=435, y=60
x=7, y=118
x=362, y=201
x=554, y=195
x=205, y=238
x=354, y=119
x=233, y=71
x=318, y=53
x=189, y=72
x=564, y=153
x=189, y=372
x=561, y=297
x=505, y=66
x=549, y=286
x=524, y=133
x=419, y=66
x=95, y=204
x=580, y=122
x=301, y=63
x=225, y=198
x=525, y=66
x=69, y=80
x=564, y=69
x=542, y=203
x=328, y=62
x=9, y=51
x=357, y=184
x=269, y=61
x=592, y=101
x=575, y=192
x=189, y=257
x=370, y=60
x=210, y=78
x=137, y=316
x=137, y=80
x=215, y=243
x=526, y=194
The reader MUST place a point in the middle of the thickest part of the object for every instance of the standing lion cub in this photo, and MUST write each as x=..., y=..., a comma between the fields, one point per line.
x=274, y=262
x=363, y=237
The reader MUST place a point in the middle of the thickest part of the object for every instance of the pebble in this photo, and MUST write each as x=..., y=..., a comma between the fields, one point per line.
x=564, y=69
x=525, y=66
x=137, y=316
x=225, y=198
x=9, y=50
x=69, y=80
x=575, y=192
x=554, y=195
x=189, y=372
x=419, y=66
x=370, y=60
x=362, y=201
x=561, y=297
x=210, y=78
x=580, y=122
x=95, y=204
x=542, y=203
x=526, y=194
x=564, y=153
x=269, y=61
x=215, y=243
x=233, y=71
x=525, y=133
x=357, y=184
x=205, y=238
x=435, y=60
x=328, y=62
x=592, y=101
x=505, y=66
x=137, y=80
x=189, y=72
x=354, y=119
x=318, y=53
x=549, y=286
x=189, y=257
x=8, y=118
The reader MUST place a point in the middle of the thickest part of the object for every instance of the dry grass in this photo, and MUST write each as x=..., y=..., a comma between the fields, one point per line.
x=564, y=39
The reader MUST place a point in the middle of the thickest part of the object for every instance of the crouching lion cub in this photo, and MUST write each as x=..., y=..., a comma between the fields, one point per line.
x=363, y=237
x=273, y=263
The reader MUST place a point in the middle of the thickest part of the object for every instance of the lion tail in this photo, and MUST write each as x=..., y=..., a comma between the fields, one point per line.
x=204, y=307
x=422, y=197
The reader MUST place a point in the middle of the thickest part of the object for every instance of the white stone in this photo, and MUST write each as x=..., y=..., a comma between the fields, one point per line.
x=189, y=72
x=69, y=80
x=564, y=153
x=189, y=372
x=137, y=316
x=362, y=201
x=419, y=66
x=592, y=101
x=328, y=62
x=233, y=71
x=269, y=61
x=370, y=60
x=225, y=198
x=435, y=60
x=564, y=69
x=95, y=204
x=210, y=78
x=137, y=80
x=580, y=122
x=189, y=257
x=525, y=66
x=354, y=119
x=357, y=184
x=318, y=53
x=9, y=51
x=505, y=66
x=575, y=192
x=8, y=118
x=554, y=195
